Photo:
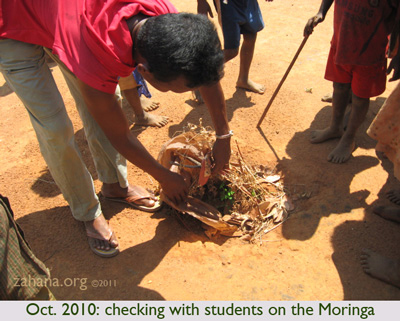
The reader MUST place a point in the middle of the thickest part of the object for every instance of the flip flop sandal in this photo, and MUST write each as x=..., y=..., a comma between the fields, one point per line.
x=141, y=194
x=113, y=251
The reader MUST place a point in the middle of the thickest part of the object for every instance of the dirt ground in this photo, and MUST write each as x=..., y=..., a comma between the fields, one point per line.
x=315, y=255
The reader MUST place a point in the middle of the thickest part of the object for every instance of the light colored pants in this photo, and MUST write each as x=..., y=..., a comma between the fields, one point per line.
x=24, y=68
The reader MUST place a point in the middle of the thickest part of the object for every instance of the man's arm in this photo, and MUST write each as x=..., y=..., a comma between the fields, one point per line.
x=105, y=110
x=319, y=17
x=214, y=99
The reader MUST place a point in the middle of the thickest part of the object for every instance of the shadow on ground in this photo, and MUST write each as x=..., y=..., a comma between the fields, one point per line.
x=375, y=233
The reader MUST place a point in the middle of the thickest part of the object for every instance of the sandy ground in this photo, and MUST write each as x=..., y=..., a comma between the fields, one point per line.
x=313, y=256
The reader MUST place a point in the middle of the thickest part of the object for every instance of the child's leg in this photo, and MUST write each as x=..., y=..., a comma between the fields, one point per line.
x=145, y=101
x=339, y=102
x=246, y=57
x=367, y=81
x=132, y=96
x=229, y=54
x=346, y=145
x=142, y=117
x=129, y=88
x=148, y=104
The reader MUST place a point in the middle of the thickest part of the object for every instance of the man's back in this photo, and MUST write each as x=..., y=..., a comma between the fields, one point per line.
x=90, y=37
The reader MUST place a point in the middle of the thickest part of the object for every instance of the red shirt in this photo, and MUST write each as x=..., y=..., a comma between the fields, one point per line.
x=361, y=30
x=91, y=37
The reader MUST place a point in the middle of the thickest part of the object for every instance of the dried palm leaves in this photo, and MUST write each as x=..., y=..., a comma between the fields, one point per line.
x=246, y=201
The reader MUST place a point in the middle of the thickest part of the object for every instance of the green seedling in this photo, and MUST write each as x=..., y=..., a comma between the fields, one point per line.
x=226, y=193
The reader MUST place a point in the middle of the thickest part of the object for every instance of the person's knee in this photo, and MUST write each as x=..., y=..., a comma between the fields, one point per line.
x=249, y=38
x=359, y=101
x=341, y=86
x=230, y=53
x=56, y=130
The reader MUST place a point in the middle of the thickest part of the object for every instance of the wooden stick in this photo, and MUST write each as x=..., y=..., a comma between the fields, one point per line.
x=282, y=81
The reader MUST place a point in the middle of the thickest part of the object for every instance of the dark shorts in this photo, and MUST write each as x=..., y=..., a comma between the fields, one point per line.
x=366, y=81
x=239, y=17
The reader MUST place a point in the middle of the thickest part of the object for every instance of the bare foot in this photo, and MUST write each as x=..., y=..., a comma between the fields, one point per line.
x=343, y=151
x=151, y=120
x=251, y=85
x=115, y=191
x=380, y=267
x=394, y=196
x=148, y=105
x=388, y=213
x=320, y=136
x=100, y=235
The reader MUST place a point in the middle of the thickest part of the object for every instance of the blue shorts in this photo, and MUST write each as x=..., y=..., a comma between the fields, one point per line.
x=239, y=17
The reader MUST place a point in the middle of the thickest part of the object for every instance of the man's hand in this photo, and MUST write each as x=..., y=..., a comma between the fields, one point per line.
x=174, y=187
x=213, y=97
x=221, y=154
x=108, y=114
x=204, y=8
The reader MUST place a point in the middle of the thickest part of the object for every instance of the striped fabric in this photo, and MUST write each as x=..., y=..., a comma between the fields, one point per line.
x=22, y=275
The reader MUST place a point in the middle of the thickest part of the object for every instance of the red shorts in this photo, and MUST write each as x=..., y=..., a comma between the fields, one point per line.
x=366, y=81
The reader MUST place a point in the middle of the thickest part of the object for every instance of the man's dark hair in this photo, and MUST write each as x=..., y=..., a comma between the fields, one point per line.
x=182, y=44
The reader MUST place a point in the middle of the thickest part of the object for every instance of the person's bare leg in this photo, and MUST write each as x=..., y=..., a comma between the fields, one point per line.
x=148, y=105
x=340, y=98
x=246, y=57
x=381, y=267
x=142, y=117
x=151, y=120
x=394, y=196
x=328, y=98
x=390, y=213
x=229, y=54
x=345, y=148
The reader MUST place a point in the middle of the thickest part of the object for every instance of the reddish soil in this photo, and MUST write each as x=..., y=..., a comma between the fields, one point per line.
x=313, y=256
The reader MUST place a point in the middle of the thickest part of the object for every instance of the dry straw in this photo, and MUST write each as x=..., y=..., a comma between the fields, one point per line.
x=249, y=200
